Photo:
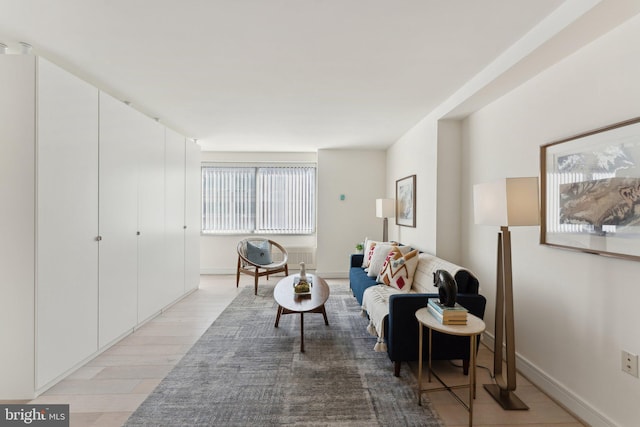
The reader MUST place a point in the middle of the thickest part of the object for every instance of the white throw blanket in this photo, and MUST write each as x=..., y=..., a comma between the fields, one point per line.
x=375, y=301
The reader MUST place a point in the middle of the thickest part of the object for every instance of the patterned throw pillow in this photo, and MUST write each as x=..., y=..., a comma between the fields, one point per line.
x=399, y=269
x=259, y=252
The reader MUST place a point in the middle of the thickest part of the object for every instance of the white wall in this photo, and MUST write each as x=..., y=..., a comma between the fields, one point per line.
x=575, y=312
x=416, y=153
x=448, y=237
x=360, y=176
x=432, y=151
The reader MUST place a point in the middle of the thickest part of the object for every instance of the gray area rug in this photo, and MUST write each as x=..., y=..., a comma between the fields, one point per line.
x=245, y=372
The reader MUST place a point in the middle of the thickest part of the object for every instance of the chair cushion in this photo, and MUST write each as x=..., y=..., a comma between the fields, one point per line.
x=259, y=252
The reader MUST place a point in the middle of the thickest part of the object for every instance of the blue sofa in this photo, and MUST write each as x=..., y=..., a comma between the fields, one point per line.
x=401, y=326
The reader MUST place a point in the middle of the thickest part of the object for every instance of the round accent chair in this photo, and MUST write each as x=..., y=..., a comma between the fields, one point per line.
x=260, y=257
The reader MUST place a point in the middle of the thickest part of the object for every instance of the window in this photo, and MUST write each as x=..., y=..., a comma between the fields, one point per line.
x=257, y=199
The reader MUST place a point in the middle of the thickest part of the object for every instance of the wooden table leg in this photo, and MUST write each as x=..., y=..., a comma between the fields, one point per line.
x=472, y=377
x=278, y=316
x=301, y=332
x=420, y=363
x=324, y=313
x=474, y=353
x=430, y=368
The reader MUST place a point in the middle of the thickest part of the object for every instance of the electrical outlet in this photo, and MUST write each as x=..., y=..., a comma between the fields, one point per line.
x=630, y=363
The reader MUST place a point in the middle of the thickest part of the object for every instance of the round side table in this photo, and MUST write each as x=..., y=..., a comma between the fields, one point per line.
x=474, y=327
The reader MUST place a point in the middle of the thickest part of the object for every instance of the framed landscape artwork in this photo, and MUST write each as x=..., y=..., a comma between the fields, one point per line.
x=406, y=201
x=590, y=191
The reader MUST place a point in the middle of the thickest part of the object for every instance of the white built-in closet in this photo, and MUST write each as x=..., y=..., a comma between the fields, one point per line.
x=99, y=223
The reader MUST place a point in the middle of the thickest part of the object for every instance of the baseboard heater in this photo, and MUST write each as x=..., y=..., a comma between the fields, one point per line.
x=298, y=255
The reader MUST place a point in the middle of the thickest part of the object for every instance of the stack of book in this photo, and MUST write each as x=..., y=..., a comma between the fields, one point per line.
x=456, y=315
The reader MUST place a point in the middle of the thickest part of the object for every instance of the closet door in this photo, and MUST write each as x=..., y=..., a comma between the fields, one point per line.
x=193, y=182
x=67, y=222
x=174, y=209
x=152, y=278
x=17, y=211
x=118, y=221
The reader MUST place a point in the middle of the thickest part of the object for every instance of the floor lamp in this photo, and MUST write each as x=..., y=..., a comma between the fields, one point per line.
x=385, y=208
x=507, y=202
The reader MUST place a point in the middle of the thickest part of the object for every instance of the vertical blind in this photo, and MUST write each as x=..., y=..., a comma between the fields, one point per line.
x=228, y=196
x=276, y=200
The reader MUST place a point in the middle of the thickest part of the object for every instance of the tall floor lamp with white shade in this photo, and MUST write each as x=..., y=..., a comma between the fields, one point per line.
x=385, y=208
x=507, y=202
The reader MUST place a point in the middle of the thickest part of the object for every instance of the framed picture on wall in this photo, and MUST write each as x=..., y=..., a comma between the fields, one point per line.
x=406, y=201
x=590, y=191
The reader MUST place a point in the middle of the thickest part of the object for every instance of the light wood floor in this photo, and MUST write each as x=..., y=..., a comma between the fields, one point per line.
x=109, y=388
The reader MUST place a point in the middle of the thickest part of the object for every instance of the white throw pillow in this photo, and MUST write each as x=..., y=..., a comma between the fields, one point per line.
x=379, y=254
x=365, y=252
x=369, y=246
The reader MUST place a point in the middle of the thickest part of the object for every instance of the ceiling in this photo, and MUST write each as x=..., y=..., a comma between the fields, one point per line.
x=278, y=75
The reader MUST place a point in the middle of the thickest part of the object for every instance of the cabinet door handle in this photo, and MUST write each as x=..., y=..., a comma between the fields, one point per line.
x=184, y=227
x=137, y=233
x=99, y=238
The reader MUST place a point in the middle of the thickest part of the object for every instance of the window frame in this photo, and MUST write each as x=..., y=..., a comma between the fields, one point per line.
x=257, y=166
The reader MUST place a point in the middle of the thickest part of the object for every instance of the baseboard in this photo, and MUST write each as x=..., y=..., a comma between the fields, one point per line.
x=332, y=275
x=217, y=271
x=558, y=392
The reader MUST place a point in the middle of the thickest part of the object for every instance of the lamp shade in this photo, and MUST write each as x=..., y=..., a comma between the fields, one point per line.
x=385, y=208
x=507, y=202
